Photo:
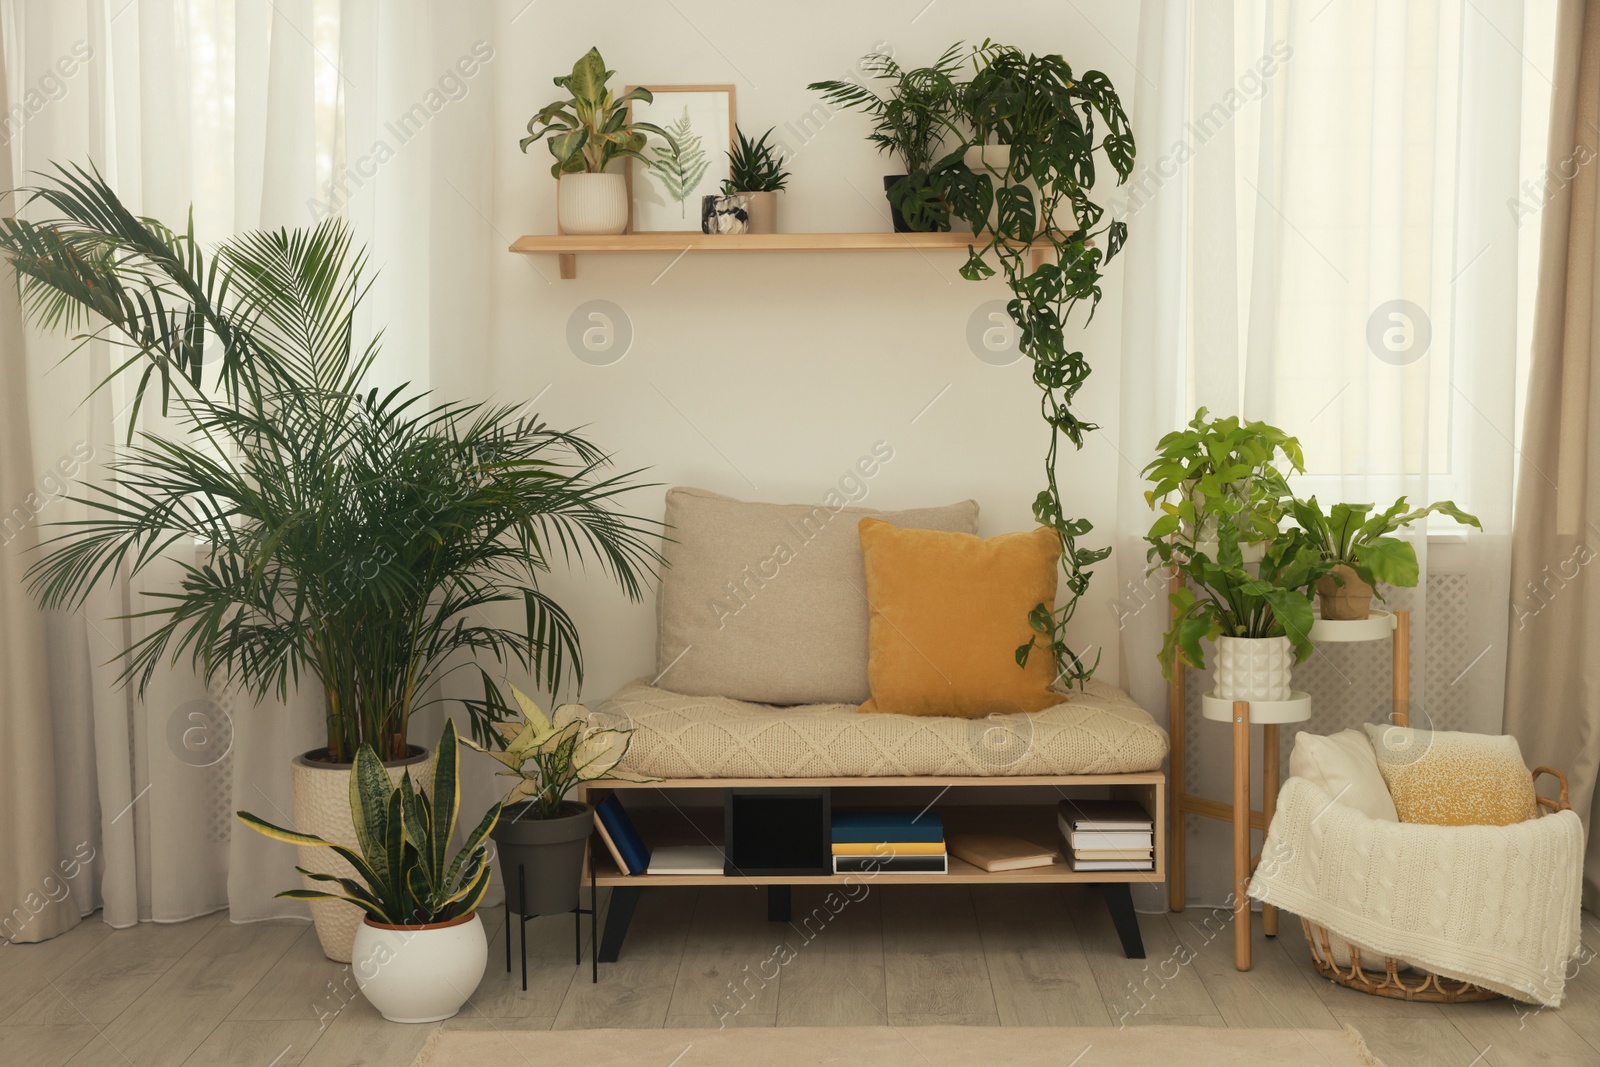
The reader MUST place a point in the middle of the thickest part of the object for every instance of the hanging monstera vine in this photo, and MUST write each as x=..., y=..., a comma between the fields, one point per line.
x=1033, y=221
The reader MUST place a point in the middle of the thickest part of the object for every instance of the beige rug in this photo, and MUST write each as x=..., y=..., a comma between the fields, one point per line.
x=883, y=1046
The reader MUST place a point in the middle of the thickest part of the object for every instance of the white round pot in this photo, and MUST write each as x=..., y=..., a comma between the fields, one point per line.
x=322, y=807
x=420, y=974
x=1253, y=668
x=592, y=203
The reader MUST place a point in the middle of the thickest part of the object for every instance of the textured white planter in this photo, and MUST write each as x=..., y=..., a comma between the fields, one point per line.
x=322, y=807
x=593, y=203
x=420, y=974
x=1253, y=668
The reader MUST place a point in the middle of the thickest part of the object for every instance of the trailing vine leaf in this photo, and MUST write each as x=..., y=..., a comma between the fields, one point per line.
x=680, y=172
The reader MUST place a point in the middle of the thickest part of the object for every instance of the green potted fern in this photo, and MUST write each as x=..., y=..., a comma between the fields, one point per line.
x=421, y=949
x=352, y=537
x=1362, y=550
x=587, y=132
x=756, y=172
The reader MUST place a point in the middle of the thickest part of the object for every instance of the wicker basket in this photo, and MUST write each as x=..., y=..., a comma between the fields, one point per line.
x=1398, y=980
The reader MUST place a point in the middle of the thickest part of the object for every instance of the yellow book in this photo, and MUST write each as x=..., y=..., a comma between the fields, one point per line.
x=890, y=848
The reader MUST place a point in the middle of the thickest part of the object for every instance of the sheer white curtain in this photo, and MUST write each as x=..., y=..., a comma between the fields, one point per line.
x=1322, y=236
x=259, y=115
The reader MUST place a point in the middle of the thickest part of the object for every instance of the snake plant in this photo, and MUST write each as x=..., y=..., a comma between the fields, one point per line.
x=410, y=876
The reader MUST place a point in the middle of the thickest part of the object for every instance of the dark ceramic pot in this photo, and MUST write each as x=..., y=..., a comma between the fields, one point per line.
x=541, y=860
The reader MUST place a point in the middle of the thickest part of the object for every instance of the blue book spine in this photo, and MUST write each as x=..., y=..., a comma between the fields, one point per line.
x=868, y=827
x=623, y=834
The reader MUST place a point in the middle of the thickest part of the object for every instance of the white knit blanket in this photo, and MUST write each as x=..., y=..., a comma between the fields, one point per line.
x=1495, y=905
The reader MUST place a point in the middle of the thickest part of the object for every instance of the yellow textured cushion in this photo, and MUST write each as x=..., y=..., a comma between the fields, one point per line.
x=1454, y=779
x=947, y=613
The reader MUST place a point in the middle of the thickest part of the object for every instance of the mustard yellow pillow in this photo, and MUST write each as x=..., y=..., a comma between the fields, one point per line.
x=947, y=612
x=1454, y=779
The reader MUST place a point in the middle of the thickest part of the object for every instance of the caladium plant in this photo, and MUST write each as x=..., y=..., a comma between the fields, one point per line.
x=591, y=128
x=548, y=755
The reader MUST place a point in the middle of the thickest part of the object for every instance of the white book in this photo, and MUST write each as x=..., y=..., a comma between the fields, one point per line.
x=1107, y=839
x=1113, y=865
x=686, y=859
x=1121, y=815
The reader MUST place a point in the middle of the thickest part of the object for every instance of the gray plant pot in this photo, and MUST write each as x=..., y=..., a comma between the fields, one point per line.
x=549, y=853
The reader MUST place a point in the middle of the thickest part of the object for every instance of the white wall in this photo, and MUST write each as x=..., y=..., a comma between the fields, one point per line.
x=766, y=376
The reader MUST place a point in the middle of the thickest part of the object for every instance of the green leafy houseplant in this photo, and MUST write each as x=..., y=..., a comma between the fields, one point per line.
x=590, y=128
x=1049, y=115
x=1222, y=466
x=548, y=755
x=409, y=877
x=754, y=166
x=352, y=534
x=1224, y=597
x=912, y=120
x=1360, y=546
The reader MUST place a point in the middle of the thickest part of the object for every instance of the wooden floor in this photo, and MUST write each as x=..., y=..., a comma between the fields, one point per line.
x=209, y=993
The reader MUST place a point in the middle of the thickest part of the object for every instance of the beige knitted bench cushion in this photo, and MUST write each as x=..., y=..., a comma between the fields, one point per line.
x=1101, y=731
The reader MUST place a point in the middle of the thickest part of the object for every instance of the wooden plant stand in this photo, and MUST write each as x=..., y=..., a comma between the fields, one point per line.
x=1382, y=624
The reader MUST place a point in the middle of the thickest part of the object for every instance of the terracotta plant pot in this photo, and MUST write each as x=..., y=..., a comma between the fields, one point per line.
x=549, y=853
x=1353, y=600
x=322, y=807
x=763, y=211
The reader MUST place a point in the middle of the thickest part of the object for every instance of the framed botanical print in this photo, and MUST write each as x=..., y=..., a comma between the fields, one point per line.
x=665, y=192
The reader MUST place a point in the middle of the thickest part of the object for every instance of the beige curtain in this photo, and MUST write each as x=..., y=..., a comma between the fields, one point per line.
x=1553, y=675
x=36, y=878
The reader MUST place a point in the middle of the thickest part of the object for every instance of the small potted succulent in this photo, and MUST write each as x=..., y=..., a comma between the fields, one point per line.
x=420, y=950
x=1362, y=551
x=540, y=839
x=913, y=121
x=588, y=131
x=756, y=172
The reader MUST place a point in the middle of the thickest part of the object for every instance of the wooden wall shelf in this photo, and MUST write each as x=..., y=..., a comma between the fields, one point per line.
x=568, y=246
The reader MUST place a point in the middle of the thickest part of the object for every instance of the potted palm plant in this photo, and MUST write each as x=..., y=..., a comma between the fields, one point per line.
x=541, y=838
x=756, y=172
x=421, y=949
x=1362, y=551
x=347, y=534
x=911, y=122
x=588, y=131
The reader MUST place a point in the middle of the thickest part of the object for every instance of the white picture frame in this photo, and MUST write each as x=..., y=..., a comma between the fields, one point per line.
x=664, y=199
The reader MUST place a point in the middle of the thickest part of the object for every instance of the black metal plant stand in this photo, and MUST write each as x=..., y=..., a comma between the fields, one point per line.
x=577, y=929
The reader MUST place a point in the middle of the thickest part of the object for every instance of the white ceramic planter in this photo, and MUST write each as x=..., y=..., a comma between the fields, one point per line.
x=1253, y=668
x=593, y=203
x=322, y=807
x=420, y=974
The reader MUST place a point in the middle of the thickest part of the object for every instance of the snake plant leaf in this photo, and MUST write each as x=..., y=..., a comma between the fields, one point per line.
x=278, y=833
x=317, y=894
x=352, y=887
x=471, y=847
x=394, y=844
x=472, y=892
x=446, y=798
x=369, y=797
x=416, y=827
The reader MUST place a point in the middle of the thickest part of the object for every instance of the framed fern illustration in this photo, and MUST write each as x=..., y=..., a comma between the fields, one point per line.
x=665, y=193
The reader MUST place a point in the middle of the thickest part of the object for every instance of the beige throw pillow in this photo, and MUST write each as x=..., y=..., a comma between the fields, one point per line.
x=1454, y=779
x=767, y=602
x=1344, y=766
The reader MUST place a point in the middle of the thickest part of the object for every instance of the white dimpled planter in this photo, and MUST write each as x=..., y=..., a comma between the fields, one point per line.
x=420, y=974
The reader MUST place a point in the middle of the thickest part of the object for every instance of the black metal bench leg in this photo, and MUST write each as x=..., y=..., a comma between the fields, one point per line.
x=623, y=900
x=1119, y=902
x=778, y=899
x=522, y=921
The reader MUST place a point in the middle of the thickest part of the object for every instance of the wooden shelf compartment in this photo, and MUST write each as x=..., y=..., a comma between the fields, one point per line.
x=568, y=246
x=679, y=824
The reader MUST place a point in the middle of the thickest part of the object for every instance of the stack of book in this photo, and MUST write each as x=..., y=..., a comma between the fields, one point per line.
x=888, y=842
x=1107, y=835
